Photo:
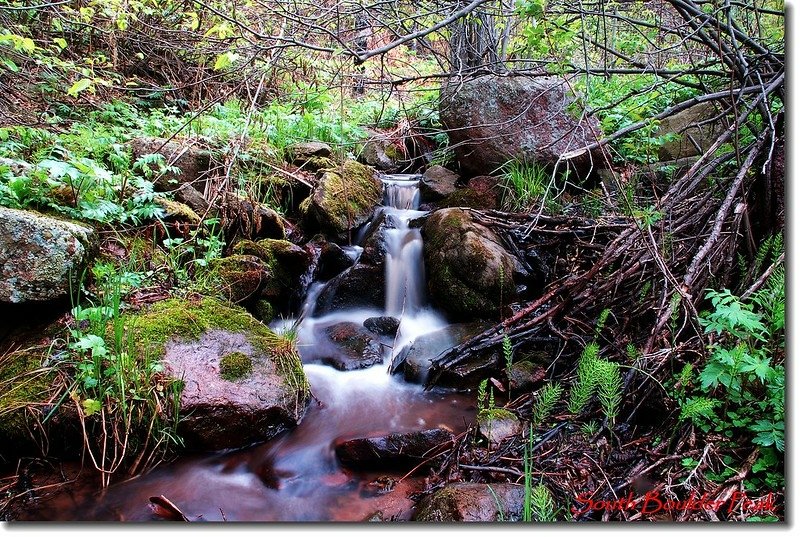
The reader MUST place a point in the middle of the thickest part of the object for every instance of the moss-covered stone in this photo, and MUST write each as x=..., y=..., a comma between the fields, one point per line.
x=239, y=277
x=182, y=319
x=467, y=197
x=235, y=366
x=344, y=198
x=24, y=385
x=264, y=311
x=285, y=264
x=178, y=212
x=470, y=274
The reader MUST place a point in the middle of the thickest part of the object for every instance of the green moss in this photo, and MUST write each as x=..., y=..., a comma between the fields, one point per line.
x=237, y=277
x=264, y=311
x=24, y=383
x=178, y=211
x=345, y=196
x=495, y=414
x=235, y=366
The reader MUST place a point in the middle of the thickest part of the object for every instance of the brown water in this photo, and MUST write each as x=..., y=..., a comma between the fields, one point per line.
x=297, y=477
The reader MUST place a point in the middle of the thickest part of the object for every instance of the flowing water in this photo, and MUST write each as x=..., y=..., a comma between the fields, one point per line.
x=297, y=476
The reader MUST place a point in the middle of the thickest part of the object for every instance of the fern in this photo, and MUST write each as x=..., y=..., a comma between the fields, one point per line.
x=543, y=507
x=698, y=409
x=544, y=403
x=588, y=376
x=609, y=389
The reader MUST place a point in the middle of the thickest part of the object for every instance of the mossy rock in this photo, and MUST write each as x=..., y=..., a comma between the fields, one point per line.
x=207, y=344
x=25, y=387
x=239, y=277
x=473, y=502
x=286, y=263
x=470, y=275
x=344, y=198
x=178, y=212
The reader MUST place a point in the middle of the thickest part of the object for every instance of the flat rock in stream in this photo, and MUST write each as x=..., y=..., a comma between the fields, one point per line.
x=241, y=382
x=392, y=450
x=351, y=346
x=414, y=360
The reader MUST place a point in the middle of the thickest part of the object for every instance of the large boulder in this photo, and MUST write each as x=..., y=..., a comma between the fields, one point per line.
x=689, y=132
x=344, y=198
x=41, y=257
x=481, y=192
x=192, y=161
x=493, y=119
x=393, y=450
x=470, y=274
x=473, y=502
x=241, y=382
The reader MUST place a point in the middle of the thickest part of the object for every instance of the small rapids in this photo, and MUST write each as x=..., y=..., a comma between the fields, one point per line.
x=297, y=477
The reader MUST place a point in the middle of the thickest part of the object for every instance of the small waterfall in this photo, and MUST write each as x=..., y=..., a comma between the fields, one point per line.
x=405, y=276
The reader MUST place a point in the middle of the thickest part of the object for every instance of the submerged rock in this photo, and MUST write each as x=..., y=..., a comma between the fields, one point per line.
x=470, y=273
x=41, y=257
x=344, y=199
x=241, y=382
x=393, y=450
x=473, y=502
x=493, y=119
x=352, y=347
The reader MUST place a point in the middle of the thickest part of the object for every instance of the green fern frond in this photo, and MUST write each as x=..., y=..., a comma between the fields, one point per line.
x=698, y=408
x=543, y=507
x=545, y=401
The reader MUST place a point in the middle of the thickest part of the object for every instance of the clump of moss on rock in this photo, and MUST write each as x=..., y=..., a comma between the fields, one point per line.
x=235, y=366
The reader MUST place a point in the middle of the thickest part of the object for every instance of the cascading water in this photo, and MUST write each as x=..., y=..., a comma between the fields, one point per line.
x=297, y=476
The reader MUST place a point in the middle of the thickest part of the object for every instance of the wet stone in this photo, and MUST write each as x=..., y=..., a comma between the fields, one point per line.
x=353, y=347
x=393, y=450
x=382, y=326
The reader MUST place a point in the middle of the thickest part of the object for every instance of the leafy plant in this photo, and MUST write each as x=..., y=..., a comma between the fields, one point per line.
x=740, y=391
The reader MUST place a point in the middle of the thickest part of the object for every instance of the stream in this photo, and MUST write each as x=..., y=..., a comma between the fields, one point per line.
x=297, y=477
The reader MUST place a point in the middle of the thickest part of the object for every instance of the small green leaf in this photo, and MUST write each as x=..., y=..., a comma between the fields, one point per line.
x=225, y=60
x=91, y=406
x=81, y=85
